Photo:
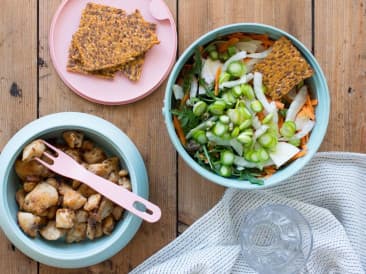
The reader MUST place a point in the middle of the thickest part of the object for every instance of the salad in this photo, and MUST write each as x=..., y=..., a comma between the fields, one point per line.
x=241, y=108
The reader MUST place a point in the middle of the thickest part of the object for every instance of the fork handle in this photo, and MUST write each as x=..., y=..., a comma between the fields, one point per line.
x=124, y=198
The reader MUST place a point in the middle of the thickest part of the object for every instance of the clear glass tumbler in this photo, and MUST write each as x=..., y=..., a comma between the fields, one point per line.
x=275, y=239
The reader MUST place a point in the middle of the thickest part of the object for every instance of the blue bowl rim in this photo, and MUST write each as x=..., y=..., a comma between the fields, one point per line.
x=121, y=236
x=323, y=108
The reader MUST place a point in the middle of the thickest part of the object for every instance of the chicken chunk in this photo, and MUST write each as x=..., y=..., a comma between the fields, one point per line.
x=95, y=155
x=104, y=210
x=98, y=230
x=42, y=197
x=113, y=163
x=29, y=186
x=31, y=169
x=29, y=223
x=51, y=232
x=77, y=233
x=91, y=229
x=65, y=218
x=75, y=184
x=100, y=169
x=73, y=138
x=113, y=177
x=125, y=182
x=71, y=198
x=33, y=150
x=74, y=153
x=20, y=197
x=123, y=173
x=81, y=216
x=53, y=182
x=108, y=225
x=85, y=190
x=93, y=202
x=87, y=145
x=117, y=212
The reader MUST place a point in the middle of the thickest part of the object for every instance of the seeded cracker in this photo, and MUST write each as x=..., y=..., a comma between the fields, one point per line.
x=114, y=41
x=132, y=69
x=283, y=68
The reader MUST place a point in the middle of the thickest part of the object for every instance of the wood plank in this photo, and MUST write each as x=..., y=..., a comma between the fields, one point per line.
x=340, y=47
x=197, y=195
x=18, y=95
x=142, y=122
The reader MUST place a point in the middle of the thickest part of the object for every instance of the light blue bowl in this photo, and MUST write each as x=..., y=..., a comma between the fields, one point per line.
x=317, y=84
x=60, y=254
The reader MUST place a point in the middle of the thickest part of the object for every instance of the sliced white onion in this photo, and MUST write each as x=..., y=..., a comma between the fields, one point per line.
x=297, y=104
x=237, y=56
x=250, y=64
x=178, y=92
x=300, y=121
x=244, y=79
x=201, y=90
x=209, y=70
x=248, y=46
x=259, y=132
x=243, y=163
x=307, y=127
x=260, y=55
x=237, y=146
x=217, y=140
x=259, y=92
x=256, y=123
x=282, y=153
x=194, y=87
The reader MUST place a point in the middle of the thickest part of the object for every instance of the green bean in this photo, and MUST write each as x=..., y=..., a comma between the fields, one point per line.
x=199, y=108
x=294, y=141
x=231, y=50
x=268, y=118
x=217, y=107
x=227, y=157
x=211, y=48
x=229, y=98
x=219, y=129
x=224, y=77
x=267, y=140
x=224, y=119
x=247, y=91
x=225, y=171
x=288, y=129
x=236, y=68
x=247, y=123
x=200, y=137
x=256, y=106
x=262, y=155
x=244, y=138
x=236, y=91
x=223, y=56
x=235, y=132
x=214, y=55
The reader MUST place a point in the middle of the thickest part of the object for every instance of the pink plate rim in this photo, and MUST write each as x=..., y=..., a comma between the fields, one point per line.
x=69, y=85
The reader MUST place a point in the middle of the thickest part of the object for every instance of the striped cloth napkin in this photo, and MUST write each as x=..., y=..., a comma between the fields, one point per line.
x=331, y=194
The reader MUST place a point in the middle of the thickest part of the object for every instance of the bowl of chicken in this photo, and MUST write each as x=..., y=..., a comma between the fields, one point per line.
x=59, y=221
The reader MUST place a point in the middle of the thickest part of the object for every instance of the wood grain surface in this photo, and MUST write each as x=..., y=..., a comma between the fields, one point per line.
x=335, y=30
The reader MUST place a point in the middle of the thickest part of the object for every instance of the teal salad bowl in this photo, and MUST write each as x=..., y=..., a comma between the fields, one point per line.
x=317, y=84
x=58, y=253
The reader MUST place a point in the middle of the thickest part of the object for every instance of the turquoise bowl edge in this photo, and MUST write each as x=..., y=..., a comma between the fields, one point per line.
x=81, y=255
x=322, y=110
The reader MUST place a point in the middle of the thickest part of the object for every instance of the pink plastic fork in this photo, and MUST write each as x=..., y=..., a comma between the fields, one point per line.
x=66, y=166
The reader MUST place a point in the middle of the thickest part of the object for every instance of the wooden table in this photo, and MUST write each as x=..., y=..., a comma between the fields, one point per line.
x=334, y=30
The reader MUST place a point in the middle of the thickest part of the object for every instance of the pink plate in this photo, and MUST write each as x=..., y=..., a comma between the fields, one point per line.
x=158, y=62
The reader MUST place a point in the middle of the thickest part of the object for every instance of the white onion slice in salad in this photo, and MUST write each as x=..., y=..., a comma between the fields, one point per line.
x=260, y=55
x=282, y=153
x=244, y=79
x=250, y=46
x=209, y=70
x=178, y=92
x=297, y=104
x=194, y=87
x=306, y=128
x=259, y=92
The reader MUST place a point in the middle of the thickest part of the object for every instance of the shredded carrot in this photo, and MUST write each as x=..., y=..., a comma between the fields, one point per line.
x=179, y=130
x=217, y=78
x=300, y=154
x=270, y=169
x=314, y=102
x=266, y=41
x=304, y=140
x=308, y=109
x=280, y=121
x=247, y=59
x=238, y=35
x=184, y=99
x=261, y=115
x=224, y=46
x=279, y=104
